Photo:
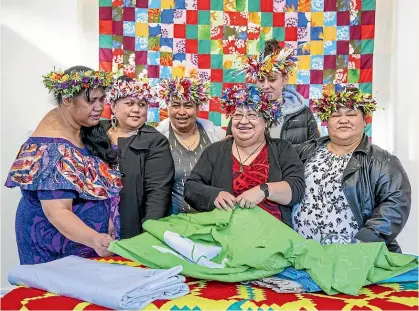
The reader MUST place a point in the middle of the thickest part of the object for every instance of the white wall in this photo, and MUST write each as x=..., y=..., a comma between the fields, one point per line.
x=396, y=128
x=38, y=35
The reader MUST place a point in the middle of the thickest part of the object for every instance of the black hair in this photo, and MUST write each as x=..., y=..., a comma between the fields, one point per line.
x=95, y=137
x=271, y=46
x=355, y=90
x=125, y=78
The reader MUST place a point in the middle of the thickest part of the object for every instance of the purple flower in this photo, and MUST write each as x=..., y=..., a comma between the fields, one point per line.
x=85, y=80
x=64, y=85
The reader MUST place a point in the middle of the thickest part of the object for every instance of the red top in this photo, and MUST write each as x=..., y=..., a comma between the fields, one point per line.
x=254, y=175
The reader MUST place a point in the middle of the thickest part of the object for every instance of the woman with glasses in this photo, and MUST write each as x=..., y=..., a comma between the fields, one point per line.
x=188, y=135
x=250, y=169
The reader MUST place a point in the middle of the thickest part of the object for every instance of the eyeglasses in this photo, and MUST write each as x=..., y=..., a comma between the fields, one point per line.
x=250, y=116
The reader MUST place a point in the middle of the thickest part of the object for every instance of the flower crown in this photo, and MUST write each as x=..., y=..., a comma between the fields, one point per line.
x=350, y=98
x=197, y=91
x=255, y=68
x=69, y=84
x=120, y=89
x=253, y=98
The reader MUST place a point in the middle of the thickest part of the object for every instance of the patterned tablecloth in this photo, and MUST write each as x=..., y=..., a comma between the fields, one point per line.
x=211, y=295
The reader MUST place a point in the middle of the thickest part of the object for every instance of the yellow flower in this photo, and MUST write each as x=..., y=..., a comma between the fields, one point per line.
x=228, y=64
x=65, y=78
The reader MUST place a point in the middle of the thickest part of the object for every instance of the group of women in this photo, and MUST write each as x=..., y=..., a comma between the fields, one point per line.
x=86, y=182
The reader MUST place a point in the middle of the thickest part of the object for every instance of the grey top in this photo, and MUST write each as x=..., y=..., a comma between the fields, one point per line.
x=185, y=161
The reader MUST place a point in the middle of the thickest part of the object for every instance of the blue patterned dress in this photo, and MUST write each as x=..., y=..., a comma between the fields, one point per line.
x=54, y=168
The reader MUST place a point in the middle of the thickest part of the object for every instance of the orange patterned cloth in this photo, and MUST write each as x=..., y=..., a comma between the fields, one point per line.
x=211, y=295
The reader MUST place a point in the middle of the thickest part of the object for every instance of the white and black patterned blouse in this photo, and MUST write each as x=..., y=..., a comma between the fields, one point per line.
x=324, y=210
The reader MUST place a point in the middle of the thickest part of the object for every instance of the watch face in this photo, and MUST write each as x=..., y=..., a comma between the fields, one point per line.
x=264, y=186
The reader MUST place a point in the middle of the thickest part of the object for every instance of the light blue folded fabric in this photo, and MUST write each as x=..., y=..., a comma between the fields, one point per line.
x=409, y=276
x=110, y=285
x=301, y=277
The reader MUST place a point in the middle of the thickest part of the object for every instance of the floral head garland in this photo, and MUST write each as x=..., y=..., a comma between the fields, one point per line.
x=121, y=89
x=349, y=98
x=196, y=91
x=252, y=98
x=280, y=61
x=69, y=84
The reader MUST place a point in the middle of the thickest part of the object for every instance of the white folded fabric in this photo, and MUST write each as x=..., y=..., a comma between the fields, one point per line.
x=110, y=285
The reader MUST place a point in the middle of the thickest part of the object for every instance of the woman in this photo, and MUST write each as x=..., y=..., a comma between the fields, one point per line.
x=67, y=172
x=355, y=190
x=296, y=123
x=188, y=135
x=146, y=164
x=251, y=168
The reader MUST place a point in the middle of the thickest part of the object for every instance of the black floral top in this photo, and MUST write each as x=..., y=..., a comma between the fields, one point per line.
x=324, y=210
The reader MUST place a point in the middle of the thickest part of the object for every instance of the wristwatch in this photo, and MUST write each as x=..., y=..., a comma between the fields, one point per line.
x=265, y=189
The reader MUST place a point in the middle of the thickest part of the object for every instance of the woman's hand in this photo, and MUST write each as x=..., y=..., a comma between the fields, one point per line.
x=250, y=198
x=101, y=243
x=225, y=200
x=111, y=229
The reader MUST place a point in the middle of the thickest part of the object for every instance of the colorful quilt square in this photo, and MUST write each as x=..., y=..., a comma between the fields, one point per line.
x=329, y=76
x=329, y=47
x=329, y=62
x=191, y=31
x=316, y=33
x=154, y=30
x=303, y=77
x=317, y=5
x=129, y=14
x=179, y=31
x=204, y=18
x=191, y=17
x=330, y=5
x=179, y=16
x=216, y=61
x=317, y=19
x=141, y=15
x=316, y=91
x=167, y=16
x=330, y=18
x=165, y=72
x=141, y=44
x=154, y=4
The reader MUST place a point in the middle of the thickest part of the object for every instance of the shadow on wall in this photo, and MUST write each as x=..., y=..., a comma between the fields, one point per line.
x=24, y=101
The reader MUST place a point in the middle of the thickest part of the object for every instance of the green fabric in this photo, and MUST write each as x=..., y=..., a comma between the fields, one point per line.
x=257, y=245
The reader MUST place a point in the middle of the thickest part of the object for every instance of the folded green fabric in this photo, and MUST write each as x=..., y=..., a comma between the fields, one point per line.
x=249, y=244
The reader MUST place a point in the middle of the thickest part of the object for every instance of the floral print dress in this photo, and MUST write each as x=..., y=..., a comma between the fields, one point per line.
x=51, y=169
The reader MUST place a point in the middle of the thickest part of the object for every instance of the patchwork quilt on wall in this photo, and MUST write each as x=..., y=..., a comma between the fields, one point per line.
x=153, y=39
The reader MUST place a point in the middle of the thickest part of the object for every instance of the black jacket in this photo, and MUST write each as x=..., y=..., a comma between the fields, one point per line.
x=213, y=174
x=297, y=128
x=377, y=189
x=147, y=172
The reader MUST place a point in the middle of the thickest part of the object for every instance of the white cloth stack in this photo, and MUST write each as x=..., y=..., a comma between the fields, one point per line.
x=110, y=285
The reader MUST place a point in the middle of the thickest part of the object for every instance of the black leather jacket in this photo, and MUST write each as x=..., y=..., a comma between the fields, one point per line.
x=377, y=189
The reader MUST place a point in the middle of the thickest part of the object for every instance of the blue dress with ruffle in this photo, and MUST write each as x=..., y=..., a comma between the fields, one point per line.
x=52, y=169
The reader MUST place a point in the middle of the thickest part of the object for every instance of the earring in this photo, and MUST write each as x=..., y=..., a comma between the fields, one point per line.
x=114, y=121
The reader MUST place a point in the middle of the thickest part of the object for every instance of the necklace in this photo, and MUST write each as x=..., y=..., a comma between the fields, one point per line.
x=114, y=133
x=240, y=159
x=183, y=142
